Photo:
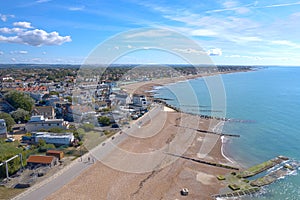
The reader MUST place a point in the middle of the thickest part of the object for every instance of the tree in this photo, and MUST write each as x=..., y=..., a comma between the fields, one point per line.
x=20, y=115
x=8, y=120
x=105, y=121
x=20, y=100
x=54, y=93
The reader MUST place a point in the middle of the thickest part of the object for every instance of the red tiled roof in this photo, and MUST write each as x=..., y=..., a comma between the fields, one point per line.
x=39, y=88
x=40, y=159
x=54, y=151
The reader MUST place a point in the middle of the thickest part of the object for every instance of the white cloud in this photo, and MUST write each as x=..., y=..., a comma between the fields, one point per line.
x=233, y=56
x=282, y=5
x=230, y=4
x=189, y=51
x=10, y=30
x=36, y=59
x=149, y=33
x=203, y=32
x=4, y=17
x=19, y=52
x=76, y=8
x=214, y=52
x=13, y=59
x=1, y=52
x=36, y=37
x=23, y=52
x=286, y=43
x=23, y=24
x=42, y=1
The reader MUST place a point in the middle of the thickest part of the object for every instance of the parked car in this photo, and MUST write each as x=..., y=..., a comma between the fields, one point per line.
x=10, y=140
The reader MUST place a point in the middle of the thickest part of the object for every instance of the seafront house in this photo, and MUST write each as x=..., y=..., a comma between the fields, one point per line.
x=139, y=100
x=38, y=122
x=46, y=111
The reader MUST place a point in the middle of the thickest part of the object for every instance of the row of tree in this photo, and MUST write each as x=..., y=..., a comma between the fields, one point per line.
x=23, y=104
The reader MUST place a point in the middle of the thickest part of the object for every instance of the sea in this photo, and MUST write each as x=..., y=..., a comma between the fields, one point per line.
x=264, y=105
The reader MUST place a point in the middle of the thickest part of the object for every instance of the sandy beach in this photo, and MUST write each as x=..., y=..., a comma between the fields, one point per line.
x=172, y=138
x=164, y=182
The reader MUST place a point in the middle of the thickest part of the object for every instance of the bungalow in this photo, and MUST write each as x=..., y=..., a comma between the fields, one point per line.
x=38, y=122
x=34, y=161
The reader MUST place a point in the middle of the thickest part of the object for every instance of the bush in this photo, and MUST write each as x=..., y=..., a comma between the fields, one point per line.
x=103, y=120
x=8, y=120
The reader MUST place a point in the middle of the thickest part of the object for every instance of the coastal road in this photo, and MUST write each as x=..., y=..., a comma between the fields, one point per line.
x=47, y=187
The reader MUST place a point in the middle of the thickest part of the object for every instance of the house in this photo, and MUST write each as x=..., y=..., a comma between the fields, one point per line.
x=3, y=129
x=139, y=100
x=53, y=138
x=35, y=161
x=38, y=122
x=18, y=129
x=121, y=99
x=55, y=153
x=47, y=111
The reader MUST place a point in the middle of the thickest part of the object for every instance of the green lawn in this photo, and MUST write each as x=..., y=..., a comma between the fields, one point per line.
x=93, y=138
x=8, y=193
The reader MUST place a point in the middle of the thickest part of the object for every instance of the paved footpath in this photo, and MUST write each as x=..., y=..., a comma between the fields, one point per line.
x=55, y=182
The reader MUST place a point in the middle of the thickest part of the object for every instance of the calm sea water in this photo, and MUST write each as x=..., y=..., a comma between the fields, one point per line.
x=270, y=99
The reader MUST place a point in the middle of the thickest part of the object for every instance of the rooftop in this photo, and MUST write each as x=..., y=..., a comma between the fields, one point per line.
x=40, y=159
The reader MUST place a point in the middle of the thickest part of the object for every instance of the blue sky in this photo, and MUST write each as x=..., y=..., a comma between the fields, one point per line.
x=229, y=31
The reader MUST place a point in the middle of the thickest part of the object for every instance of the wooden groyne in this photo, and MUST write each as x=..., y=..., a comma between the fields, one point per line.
x=205, y=162
x=237, y=193
x=241, y=186
x=273, y=176
x=161, y=101
x=211, y=132
x=252, y=171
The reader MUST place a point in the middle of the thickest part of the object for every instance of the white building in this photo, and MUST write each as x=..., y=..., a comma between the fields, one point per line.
x=3, y=129
x=38, y=122
x=139, y=100
x=54, y=138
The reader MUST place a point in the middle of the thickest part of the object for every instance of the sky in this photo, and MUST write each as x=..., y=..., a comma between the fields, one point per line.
x=229, y=32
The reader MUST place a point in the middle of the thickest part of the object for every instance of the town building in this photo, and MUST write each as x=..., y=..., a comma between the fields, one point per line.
x=53, y=138
x=35, y=161
x=38, y=122
x=55, y=153
x=46, y=111
x=139, y=100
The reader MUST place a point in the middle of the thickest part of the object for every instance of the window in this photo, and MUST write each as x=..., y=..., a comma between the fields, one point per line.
x=49, y=124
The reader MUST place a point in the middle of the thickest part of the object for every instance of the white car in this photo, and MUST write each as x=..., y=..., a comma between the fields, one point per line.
x=10, y=140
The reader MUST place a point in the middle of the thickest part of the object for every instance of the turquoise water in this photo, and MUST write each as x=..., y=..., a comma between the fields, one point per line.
x=270, y=97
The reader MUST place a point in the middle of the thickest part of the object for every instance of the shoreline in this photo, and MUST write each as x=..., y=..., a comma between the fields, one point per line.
x=209, y=187
x=163, y=183
x=148, y=88
x=143, y=87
